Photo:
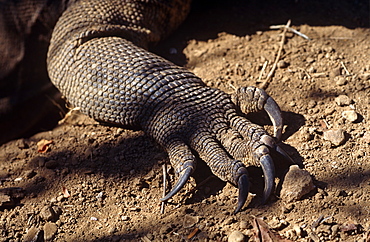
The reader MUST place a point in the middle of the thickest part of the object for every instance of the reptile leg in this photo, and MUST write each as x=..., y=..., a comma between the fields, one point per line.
x=115, y=81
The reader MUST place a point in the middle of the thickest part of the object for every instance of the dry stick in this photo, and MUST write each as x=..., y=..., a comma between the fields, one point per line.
x=291, y=30
x=272, y=71
x=164, y=186
x=345, y=68
x=262, y=71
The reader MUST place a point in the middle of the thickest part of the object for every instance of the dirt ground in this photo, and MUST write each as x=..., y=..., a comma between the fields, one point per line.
x=100, y=183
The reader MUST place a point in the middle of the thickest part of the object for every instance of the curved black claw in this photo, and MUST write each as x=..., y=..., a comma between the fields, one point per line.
x=269, y=141
x=273, y=111
x=282, y=152
x=184, y=177
x=269, y=174
x=243, y=186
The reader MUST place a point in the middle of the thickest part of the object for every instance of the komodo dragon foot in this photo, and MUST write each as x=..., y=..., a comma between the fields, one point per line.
x=97, y=59
x=227, y=142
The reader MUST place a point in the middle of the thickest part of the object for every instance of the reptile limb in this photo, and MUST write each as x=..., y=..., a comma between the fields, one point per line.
x=97, y=58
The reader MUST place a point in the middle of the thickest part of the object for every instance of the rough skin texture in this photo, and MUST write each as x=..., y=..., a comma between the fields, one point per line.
x=97, y=58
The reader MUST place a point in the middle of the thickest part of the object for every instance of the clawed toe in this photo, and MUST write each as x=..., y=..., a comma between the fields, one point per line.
x=268, y=169
x=243, y=186
x=184, y=177
x=273, y=111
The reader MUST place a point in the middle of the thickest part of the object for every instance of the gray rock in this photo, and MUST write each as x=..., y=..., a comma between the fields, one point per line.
x=350, y=115
x=336, y=137
x=297, y=183
x=50, y=229
x=236, y=236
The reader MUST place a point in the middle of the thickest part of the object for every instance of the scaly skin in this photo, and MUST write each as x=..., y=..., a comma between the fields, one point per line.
x=97, y=58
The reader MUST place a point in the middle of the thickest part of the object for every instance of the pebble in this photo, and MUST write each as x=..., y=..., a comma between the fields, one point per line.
x=282, y=64
x=29, y=173
x=366, y=137
x=50, y=229
x=297, y=183
x=47, y=213
x=336, y=137
x=350, y=115
x=340, y=80
x=310, y=60
x=236, y=236
x=343, y=100
x=244, y=224
x=50, y=213
x=229, y=221
x=335, y=72
x=365, y=76
x=51, y=164
x=190, y=221
x=278, y=224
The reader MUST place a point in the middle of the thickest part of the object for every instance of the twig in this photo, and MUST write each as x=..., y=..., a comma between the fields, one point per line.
x=232, y=86
x=164, y=187
x=272, y=71
x=291, y=30
x=309, y=76
x=262, y=71
x=345, y=68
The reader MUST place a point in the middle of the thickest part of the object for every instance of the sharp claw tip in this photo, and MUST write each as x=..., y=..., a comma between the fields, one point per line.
x=243, y=185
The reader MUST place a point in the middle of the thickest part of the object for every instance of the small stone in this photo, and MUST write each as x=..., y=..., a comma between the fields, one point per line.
x=5, y=200
x=297, y=183
x=310, y=60
x=343, y=100
x=366, y=137
x=365, y=76
x=336, y=137
x=298, y=230
x=50, y=229
x=335, y=229
x=236, y=236
x=244, y=224
x=278, y=224
x=32, y=235
x=335, y=72
x=60, y=198
x=282, y=64
x=47, y=213
x=287, y=208
x=350, y=115
x=340, y=80
x=229, y=221
x=57, y=211
x=29, y=173
x=51, y=164
x=190, y=221
x=125, y=218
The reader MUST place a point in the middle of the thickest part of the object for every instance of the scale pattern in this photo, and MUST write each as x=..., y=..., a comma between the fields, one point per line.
x=98, y=60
